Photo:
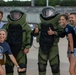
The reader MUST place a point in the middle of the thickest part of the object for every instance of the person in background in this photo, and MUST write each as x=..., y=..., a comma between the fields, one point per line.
x=72, y=19
x=5, y=49
x=1, y=16
x=71, y=51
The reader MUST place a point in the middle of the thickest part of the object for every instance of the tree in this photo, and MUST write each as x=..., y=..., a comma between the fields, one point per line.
x=43, y=2
x=68, y=3
x=54, y=2
x=40, y=3
x=1, y=0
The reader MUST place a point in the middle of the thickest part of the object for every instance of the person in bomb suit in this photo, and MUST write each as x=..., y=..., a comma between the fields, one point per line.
x=48, y=33
x=19, y=39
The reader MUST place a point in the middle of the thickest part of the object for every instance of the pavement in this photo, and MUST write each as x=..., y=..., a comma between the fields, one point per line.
x=32, y=67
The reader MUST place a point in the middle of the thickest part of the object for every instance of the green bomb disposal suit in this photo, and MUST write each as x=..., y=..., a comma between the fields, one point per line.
x=19, y=38
x=48, y=50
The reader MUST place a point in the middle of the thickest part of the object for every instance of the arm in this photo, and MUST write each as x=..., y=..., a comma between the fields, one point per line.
x=13, y=59
x=57, y=32
x=29, y=40
x=60, y=31
x=35, y=32
x=28, y=37
x=70, y=39
x=15, y=62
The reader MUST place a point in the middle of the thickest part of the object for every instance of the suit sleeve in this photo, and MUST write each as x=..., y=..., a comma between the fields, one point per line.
x=28, y=37
x=60, y=31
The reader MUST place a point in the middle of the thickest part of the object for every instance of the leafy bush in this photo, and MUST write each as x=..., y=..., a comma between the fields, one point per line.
x=15, y=3
x=40, y=3
x=68, y=3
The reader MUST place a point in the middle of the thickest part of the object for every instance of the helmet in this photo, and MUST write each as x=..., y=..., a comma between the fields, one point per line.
x=16, y=14
x=49, y=12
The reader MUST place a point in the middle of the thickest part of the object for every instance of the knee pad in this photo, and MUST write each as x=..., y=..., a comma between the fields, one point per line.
x=41, y=67
x=9, y=69
x=55, y=68
x=22, y=66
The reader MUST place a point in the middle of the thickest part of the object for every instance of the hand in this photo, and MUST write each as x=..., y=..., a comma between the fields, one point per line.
x=50, y=32
x=36, y=29
x=21, y=69
x=26, y=51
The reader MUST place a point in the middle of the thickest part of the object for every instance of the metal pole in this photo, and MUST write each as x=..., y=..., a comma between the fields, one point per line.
x=32, y=2
x=47, y=3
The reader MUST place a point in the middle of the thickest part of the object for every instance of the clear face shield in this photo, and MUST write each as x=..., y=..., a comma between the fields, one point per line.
x=48, y=12
x=15, y=15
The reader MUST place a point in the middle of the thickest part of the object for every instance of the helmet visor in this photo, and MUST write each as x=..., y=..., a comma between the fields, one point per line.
x=15, y=15
x=48, y=12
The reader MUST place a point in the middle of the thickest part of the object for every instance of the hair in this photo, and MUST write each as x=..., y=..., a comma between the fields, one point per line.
x=65, y=16
x=3, y=30
x=73, y=14
x=1, y=12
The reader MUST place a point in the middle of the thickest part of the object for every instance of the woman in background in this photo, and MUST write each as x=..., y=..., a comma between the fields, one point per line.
x=70, y=34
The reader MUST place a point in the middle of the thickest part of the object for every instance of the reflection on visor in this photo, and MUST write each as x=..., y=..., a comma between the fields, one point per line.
x=15, y=15
x=47, y=13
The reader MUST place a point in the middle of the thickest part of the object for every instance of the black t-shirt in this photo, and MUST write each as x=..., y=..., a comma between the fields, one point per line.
x=5, y=48
x=69, y=30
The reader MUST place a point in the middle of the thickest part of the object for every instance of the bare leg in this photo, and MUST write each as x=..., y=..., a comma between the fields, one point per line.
x=72, y=67
x=2, y=72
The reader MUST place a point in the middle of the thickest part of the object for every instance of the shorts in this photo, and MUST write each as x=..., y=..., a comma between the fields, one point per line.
x=68, y=53
x=2, y=61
